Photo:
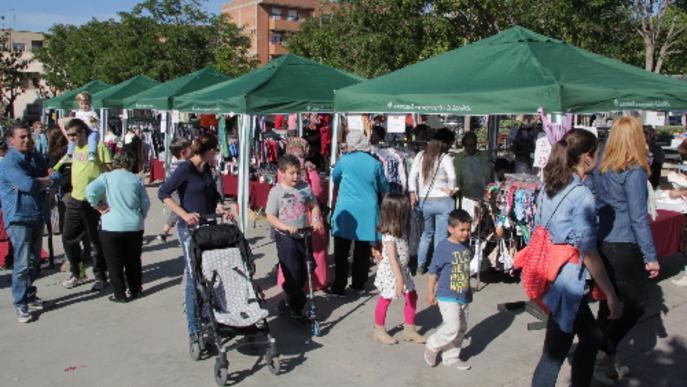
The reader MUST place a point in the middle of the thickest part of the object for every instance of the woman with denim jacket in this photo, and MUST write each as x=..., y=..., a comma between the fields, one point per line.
x=566, y=209
x=626, y=242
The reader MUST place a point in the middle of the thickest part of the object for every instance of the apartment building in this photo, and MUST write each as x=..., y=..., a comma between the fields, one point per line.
x=268, y=21
x=28, y=104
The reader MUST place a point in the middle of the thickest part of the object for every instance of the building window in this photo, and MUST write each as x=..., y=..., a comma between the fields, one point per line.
x=18, y=47
x=276, y=13
x=292, y=15
x=36, y=45
x=276, y=38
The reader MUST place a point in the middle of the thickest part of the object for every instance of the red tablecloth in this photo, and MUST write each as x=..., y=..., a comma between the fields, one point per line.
x=667, y=232
x=157, y=170
x=258, y=194
x=230, y=185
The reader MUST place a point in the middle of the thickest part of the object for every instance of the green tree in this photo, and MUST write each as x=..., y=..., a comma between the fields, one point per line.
x=373, y=37
x=13, y=79
x=162, y=39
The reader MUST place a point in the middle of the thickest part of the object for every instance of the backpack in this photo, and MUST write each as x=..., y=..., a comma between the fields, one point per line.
x=539, y=266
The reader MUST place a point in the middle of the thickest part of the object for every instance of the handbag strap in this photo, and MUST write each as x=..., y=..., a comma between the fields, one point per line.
x=559, y=204
x=431, y=184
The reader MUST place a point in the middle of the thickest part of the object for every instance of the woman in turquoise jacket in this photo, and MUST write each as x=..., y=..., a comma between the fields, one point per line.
x=360, y=180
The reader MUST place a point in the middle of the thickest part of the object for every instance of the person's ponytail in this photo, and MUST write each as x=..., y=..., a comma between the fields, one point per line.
x=558, y=171
x=565, y=156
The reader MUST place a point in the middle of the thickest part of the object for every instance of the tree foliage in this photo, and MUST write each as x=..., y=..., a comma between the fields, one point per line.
x=13, y=77
x=372, y=37
x=162, y=39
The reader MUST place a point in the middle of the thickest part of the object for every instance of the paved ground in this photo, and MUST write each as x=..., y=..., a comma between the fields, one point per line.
x=85, y=340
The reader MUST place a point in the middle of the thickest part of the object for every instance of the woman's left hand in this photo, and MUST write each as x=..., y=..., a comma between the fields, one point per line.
x=103, y=209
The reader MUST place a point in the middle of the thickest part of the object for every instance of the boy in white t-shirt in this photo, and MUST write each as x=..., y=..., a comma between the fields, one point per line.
x=87, y=115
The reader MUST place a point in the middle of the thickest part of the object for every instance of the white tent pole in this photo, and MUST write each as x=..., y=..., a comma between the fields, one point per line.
x=244, y=162
x=165, y=127
x=300, y=124
x=333, y=156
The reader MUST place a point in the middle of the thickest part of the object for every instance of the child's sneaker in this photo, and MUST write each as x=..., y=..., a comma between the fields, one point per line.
x=36, y=305
x=431, y=357
x=91, y=157
x=162, y=238
x=23, y=315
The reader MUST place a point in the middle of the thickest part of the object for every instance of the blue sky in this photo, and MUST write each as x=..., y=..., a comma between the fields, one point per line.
x=40, y=15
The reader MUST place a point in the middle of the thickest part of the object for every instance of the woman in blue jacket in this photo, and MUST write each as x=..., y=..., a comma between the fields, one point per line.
x=361, y=182
x=626, y=243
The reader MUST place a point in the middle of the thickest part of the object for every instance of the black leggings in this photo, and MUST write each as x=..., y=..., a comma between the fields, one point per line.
x=123, y=256
x=557, y=344
x=360, y=268
x=625, y=267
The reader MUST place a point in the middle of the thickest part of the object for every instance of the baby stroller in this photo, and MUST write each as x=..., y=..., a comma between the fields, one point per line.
x=228, y=303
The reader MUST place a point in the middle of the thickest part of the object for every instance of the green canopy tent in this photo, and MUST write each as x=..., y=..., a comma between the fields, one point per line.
x=113, y=97
x=66, y=100
x=516, y=71
x=289, y=84
x=162, y=96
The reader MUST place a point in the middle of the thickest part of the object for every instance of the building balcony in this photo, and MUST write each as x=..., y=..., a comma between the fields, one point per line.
x=284, y=25
x=277, y=49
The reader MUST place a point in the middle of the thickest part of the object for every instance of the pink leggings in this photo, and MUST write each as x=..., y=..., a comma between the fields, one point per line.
x=408, y=311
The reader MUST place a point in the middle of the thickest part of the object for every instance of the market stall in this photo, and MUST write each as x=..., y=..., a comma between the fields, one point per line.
x=289, y=84
x=113, y=97
x=161, y=98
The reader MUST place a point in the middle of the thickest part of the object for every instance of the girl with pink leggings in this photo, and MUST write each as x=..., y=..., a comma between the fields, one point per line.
x=393, y=276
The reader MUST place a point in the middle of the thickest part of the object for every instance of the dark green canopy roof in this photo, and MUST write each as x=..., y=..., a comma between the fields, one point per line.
x=288, y=84
x=516, y=71
x=66, y=100
x=113, y=97
x=161, y=96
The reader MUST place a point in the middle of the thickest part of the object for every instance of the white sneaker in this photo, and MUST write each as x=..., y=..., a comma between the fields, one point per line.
x=681, y=282
x=73, y=281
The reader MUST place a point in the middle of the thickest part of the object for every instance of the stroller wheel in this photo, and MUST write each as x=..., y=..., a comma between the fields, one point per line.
x=315, y=327
x=221, y=374
x=194, y=349
x=273, y=364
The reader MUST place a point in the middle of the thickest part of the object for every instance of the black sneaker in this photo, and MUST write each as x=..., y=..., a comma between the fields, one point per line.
x=330, y=291
x=162, y=238
x=359, y=292
x=98, y=285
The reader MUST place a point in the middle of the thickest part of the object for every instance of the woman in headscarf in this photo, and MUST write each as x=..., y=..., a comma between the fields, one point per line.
x=360, y=180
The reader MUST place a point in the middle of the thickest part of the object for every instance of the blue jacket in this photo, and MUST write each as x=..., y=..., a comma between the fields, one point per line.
x=573, y=223
x=361, y=182
x=621, y=204
x=24, y=200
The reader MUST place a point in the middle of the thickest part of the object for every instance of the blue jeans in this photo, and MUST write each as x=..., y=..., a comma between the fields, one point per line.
x=26, y=241
x=435, y=215
x=189, y=288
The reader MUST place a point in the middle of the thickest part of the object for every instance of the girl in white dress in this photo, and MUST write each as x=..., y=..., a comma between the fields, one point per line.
x=393, y=276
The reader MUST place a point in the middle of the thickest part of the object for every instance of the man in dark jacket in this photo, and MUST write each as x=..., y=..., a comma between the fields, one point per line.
x=23, y=188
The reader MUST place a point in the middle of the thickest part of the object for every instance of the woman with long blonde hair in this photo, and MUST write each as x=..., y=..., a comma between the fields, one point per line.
x=626, y=242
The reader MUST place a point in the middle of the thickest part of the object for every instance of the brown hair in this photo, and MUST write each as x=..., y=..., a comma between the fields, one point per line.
x=626, y=146
x=57, y=143
x=566, y=154
x=204, y=143
x=178, y=145
x=435, y=148
x=394, y=214
x=124, y=159
x=288, y=161
x=83, y=96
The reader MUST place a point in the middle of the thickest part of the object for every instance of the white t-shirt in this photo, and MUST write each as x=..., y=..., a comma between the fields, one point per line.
x=445, y=178
x=90, y=118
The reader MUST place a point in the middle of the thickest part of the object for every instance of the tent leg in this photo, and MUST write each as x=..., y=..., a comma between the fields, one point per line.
x=300, y=125
x=333, y=156
x=244, y=161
